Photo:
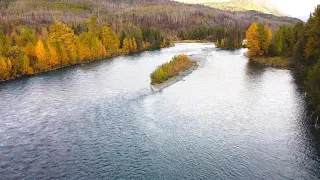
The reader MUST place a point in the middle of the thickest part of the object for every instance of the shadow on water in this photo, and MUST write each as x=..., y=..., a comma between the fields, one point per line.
x=254, y=75
x=255, y=69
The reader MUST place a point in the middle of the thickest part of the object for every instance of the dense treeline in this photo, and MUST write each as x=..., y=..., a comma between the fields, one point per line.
x=24, y=52
x=300, y=43
x=225, y=38
x=171, y=69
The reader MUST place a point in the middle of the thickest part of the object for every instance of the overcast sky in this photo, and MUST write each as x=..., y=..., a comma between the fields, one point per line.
x=296, y=8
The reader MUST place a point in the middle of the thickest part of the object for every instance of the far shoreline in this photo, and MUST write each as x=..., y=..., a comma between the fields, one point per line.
x=275, y=62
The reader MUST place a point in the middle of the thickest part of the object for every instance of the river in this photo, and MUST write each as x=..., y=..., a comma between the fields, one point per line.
x=229, y=119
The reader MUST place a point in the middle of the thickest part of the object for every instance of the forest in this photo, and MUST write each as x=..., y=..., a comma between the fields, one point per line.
x=41, y=35
x=225, y=38
x=26, y=52
x=298, y=43
x=169, y=16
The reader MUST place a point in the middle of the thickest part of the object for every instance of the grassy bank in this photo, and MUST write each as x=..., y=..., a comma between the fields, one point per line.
x=171, y=69
x=278, y=62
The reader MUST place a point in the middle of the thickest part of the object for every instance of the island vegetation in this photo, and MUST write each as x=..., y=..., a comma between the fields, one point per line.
x=171, y=69
x=297, y=46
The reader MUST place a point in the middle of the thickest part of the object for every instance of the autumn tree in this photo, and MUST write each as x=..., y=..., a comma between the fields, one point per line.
x=126, y=46
x=134, y=45
x=24, y=52
x=4, y=44
x=258, y=39
x=4, y=69
x=20, y=63
x=41, y=55
x=252, y=37
x=98, y=50
x=54, y=56
x=94, y=28
x=63, y=36
x=110, y=40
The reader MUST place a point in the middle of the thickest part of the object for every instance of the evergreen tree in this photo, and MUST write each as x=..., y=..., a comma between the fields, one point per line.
x=312, y=51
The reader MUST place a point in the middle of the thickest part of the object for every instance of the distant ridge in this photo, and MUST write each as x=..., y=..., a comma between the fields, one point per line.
x=240, y=5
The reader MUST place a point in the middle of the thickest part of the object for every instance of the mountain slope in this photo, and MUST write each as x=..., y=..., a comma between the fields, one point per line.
x=167, y=15
x=240, y=5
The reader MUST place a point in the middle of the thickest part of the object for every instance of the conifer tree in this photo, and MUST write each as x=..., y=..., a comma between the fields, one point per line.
x=54, y=57
x=252, y=37
x=41, y=55
x=312, y=51
x=4, y=69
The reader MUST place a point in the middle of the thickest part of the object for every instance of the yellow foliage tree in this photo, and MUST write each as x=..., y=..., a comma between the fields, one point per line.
x=164, y=43
x=252, y=37
x=64, y=35
x=41, y=55
x=26, y=65
x=98, y=50
x=126, y=46
x=130, y=45
x=54, y=56
x=135, y=46
x=30, y=51
x=4, y=69
x=64, y=56
x=110, y=40
x=84, y=52
x=223, y=43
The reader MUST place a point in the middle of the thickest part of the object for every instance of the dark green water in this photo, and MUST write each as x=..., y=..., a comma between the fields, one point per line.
x=229, y=119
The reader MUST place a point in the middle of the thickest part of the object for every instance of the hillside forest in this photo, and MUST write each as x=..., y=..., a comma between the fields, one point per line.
x=24, y=52
x=298, y=43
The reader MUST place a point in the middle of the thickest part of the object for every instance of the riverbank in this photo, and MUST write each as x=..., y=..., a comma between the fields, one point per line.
x=76, y=64
x=276, y=62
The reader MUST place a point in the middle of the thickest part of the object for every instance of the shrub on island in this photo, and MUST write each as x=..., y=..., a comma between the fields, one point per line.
x=171, y=69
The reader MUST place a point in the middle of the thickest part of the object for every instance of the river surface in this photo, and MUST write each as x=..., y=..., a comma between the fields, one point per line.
x=229, y=119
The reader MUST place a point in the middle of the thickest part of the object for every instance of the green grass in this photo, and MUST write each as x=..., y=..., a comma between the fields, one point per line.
x=278, y=62
x=171, y=69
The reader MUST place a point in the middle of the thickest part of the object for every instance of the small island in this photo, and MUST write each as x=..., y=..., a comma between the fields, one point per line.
x=171, y=72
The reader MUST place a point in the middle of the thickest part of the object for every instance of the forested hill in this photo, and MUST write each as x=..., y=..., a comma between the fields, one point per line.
x=163, y=14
